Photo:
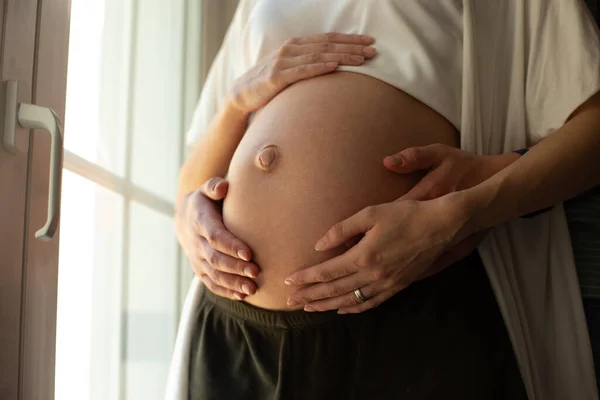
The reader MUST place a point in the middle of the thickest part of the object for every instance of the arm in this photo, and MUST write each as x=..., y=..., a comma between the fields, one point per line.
x=451, y=170
x=561, y=166
x=434, y=233
x=213, y=151
x=297, y=59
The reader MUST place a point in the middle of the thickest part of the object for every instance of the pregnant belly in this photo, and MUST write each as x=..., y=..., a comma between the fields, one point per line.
x=313, y=157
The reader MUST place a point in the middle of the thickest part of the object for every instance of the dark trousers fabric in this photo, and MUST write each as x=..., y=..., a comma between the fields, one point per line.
x=441, y=338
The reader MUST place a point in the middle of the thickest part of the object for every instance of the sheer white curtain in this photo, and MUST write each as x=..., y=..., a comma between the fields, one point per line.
x=135, y=72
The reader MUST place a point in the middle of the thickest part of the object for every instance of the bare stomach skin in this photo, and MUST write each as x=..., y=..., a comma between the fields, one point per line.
x=313, y=157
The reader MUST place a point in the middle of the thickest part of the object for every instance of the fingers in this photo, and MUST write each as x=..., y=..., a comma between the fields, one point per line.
x=305, y=58
x=343, y=231
x=326, y=271
x=373, y=302
x=354, y=241
x=226, y=263
x=220, y=290
x=315, y=58
x=305, y=71
x=349, y=299
x=335, y=37
x=217, y=256
x=418, y=192
x=329, y=48
x=331, y=290
x=430, y=187
x=208, y=223
x=417, y=158
x=215, y=188
x=234, y=283
x=220, y=239
x=222, y=274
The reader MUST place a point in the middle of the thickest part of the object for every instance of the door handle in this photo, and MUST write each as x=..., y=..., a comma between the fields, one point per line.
x=30, y=116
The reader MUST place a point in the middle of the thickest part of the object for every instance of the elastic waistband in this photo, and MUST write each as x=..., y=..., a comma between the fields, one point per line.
x=269, y=318
x=460, y=276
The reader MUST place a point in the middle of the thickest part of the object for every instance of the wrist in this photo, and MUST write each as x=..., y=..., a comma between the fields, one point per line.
x=507, y=158
x=474, y=205
x=478, y=200
x=500, y=161
x=233, y=112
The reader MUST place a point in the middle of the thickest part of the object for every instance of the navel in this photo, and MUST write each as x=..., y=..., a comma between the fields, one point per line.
x=267, y=157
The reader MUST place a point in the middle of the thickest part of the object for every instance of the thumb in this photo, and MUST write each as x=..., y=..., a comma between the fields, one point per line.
x=430, y=187
x=418, y=192
x=215, y=188
x=416, y=158
x=346, y=230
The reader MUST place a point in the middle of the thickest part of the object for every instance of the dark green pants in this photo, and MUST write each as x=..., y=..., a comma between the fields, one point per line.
x=442, y=338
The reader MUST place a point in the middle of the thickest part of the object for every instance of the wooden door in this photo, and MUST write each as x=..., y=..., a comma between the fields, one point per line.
x=33, y=51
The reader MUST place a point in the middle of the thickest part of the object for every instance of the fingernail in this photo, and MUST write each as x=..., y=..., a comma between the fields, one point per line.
x=249, y=272
x=292, y=302
x=394, y=160
x=309, y=308
x=369, y=51
x=367, y=38
x=357, y=59
x=237, y=296
x=320, y=244
x=246, y=288
x=331, y=64
x=288, y=281
x=243, y=254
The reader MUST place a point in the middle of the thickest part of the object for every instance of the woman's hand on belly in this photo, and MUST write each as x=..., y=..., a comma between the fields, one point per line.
x=297, y=59
x=218, y=258
x=401, y=240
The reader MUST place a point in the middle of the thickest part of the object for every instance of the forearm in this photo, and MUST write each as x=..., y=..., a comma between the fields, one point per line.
x=560, y=167
x=212, y=153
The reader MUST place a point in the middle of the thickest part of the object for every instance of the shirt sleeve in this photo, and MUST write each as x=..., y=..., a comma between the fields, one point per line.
x=226, y=67
x=563, y=63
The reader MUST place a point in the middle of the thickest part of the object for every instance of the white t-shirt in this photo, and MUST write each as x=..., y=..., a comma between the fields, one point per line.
x=419, y=48
x=506, y=74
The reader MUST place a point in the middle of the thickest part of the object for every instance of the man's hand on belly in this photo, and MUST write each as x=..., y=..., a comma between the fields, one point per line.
x=218, y=258
x=400, y=245
x=448, y=170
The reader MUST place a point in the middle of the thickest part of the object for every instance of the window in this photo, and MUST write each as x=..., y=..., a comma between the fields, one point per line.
x=133, y=81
